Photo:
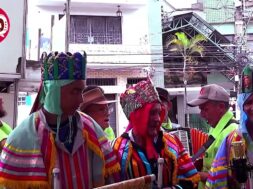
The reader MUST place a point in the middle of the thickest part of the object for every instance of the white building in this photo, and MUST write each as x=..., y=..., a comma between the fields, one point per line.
x=121, y=50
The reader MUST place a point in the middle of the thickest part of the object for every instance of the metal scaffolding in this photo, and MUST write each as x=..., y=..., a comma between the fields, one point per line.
x=218, y=54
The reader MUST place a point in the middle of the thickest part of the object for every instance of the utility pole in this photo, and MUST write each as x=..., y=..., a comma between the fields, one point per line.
x=51, y=32
x=241, y=22
x=39, y=43
x=241, y=53
x=155, y=41
x=67, y=7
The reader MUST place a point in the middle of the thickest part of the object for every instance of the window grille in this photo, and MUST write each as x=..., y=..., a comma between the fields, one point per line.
x=132, y=81
x=101, y=81
x=95, y=29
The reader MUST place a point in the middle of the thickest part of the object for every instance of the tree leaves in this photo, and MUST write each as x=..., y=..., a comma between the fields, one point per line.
x=186, y=47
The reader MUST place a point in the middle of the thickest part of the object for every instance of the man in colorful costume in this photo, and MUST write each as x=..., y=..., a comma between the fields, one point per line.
x=221, y=174
x=213, y=102
x=139, y=148
x=57, y=138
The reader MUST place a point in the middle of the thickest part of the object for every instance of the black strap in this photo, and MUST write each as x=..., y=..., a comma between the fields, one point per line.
x=210, y=141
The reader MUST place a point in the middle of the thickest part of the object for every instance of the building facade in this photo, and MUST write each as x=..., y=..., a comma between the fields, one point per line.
x=122, y=40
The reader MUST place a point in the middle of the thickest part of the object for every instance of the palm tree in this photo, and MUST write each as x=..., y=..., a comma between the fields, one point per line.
x=186, y=47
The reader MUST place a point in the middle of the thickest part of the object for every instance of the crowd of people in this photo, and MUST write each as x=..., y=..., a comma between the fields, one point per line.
x=67, y=141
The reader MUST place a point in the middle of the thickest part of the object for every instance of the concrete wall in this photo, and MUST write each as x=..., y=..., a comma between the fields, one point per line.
x=11, y=46
x=116, y=73
x=59, y=32
x=155, y=38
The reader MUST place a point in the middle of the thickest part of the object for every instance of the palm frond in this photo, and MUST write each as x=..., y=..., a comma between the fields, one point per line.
x=175, y=48
x=197, y=39
x=185, y=46
x=181, y=36
x=197, y=49
x=175, y=43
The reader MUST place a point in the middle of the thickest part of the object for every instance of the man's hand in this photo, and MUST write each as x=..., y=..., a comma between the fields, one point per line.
x=199, y=164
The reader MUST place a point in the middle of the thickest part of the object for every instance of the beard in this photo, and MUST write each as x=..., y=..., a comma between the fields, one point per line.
x=2, y=113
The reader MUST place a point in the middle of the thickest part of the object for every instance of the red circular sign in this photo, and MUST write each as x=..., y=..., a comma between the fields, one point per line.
x=4, y=25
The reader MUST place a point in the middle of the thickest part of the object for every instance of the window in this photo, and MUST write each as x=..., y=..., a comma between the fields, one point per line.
x=95, y=29
x=132, y=81
x=5, y=86
x=101, y=81
x=21, y=100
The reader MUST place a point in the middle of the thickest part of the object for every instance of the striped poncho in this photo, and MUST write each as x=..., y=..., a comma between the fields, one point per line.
x=134, y=161
x=220, y=175
x=31, y=153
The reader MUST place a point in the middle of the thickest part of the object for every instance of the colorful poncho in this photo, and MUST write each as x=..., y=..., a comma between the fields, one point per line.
x=31, y=153
x=134, y=161
x=220, y=176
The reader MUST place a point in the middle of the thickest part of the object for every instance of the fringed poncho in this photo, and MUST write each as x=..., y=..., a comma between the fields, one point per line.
x=134, y=161
x=31, y=153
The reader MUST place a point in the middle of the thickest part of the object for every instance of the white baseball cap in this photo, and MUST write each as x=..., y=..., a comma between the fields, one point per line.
x=210, y=92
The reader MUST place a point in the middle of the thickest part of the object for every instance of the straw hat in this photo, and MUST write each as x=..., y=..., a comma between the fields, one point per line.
x=94, y=96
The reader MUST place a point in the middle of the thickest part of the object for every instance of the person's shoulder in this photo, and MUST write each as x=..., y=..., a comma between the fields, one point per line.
x=5, y=127
x=24, y=133
x=2, y=123
x=25, y=125
x=234, y=124
x=121, y=138
x=168, y=135
x=172, y=140
x=120, y=141
x=91, y=126
x=231, y=126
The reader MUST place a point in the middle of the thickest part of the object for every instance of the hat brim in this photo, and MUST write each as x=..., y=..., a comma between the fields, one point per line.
x=84, y=105
x=105, y=102
x=196, y=102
